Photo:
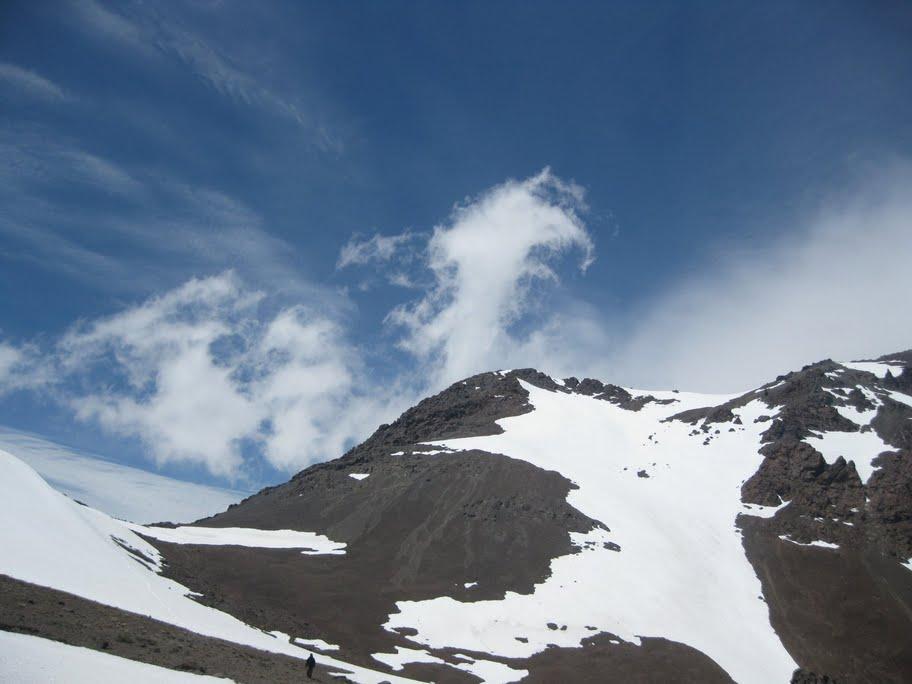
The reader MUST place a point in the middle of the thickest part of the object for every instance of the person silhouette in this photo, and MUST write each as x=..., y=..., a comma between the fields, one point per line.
x=311, y=663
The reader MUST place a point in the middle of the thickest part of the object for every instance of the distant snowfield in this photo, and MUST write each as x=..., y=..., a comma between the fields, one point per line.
x=681, y=572
x=878, y=368
x=119, y=490
x=52, y=541
x=26, y=659
x=860, y=447
x=313, y=543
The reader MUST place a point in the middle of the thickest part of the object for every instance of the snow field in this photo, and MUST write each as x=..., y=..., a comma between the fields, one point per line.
x=681, y=572
x=26, y=659
x=315, y=544
x=60, y=544
x=878, y=368
x=488, y=671
x=859, y=447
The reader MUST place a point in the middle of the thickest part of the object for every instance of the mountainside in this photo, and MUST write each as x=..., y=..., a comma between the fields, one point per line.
x=520, y=528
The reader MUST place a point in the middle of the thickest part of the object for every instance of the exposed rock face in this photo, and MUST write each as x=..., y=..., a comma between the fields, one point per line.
x=833, y=609
x=806, y=677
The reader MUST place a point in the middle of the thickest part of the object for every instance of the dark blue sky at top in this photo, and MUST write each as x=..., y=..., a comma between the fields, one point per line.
x=696, y=128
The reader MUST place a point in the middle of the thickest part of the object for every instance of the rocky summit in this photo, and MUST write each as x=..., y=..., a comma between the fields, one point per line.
x=516, y=527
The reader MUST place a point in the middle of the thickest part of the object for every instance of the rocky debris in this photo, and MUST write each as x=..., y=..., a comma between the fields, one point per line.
x=613, y=393
x=805, y=403
x=888, y=512
x=806, y=677
x=893, y=423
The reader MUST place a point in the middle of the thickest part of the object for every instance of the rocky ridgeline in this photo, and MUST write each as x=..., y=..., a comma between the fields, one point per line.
x=828, y=501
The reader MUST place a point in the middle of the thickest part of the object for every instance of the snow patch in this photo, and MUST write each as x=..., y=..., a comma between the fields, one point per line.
x=876, y=367
x=403, y=656
x=901, y=398
x=488, y=671
x=316, y=643
x=858, y=447
x=358, y=476
x=313, y=543
x=852, y=414
x=758, y=511
x=817, y=542
x=58, y=543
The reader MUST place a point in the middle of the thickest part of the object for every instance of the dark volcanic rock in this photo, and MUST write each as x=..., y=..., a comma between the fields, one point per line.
x=599, y=661
x=836, y=611
x=846, y=612
x=419, y=527
x=889, y=507
x=805, y=677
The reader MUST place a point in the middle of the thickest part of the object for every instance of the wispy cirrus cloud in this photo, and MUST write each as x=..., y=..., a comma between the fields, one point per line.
x=31, y=156
x=156, y=32
x=124, y=215
x=359, y=251
x=30, y=83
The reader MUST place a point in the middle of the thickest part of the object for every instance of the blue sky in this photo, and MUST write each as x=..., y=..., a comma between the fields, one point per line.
x=726, y=199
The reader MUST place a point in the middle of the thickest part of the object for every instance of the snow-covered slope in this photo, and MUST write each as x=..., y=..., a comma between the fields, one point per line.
x=116, y=489
x=50, y=540
x=27, y=659
x=671, y=563
x=518, y=528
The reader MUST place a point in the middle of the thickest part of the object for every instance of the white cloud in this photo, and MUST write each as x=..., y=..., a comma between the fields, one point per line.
x=199, y=371
x=21, y=367
x=837, y=286
x=307, y=392
x=174, y=396
x=10, y=357
x=31, y=83
x=379, y=248
x=203, y=369
x=484, y=262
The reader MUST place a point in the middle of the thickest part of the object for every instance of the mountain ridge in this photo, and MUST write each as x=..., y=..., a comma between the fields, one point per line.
x=483, y=497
